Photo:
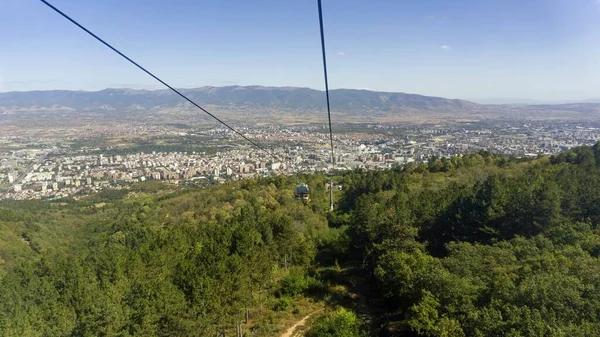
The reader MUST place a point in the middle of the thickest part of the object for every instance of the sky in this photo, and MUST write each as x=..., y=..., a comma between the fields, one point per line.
x=473, y=49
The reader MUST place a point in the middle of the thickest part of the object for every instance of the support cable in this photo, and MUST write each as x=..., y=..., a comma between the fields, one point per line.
x=328, y=105
x=159, y=80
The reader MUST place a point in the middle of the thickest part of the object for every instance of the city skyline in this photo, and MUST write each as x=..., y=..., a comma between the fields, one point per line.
x=48, y=167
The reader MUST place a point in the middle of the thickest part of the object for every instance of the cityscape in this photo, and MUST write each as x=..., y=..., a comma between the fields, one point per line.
x=300, y=168
x=49, y=168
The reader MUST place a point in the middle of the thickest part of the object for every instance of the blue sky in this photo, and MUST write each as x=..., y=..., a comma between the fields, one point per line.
x=475, y=49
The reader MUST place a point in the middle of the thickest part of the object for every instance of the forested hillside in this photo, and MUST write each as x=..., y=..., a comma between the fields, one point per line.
x=478, y=245
x=149, y=262
x=482, y=246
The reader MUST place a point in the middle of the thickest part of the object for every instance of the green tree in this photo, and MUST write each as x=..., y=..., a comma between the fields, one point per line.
x=342, y=323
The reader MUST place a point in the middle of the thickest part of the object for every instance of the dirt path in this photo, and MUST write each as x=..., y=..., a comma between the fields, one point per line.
x=290, y=331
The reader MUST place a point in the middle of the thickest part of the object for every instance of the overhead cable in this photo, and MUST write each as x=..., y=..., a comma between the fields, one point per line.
x=328, y=105
x=159, y=80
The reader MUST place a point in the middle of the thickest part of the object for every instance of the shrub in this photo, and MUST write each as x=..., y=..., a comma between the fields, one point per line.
x=295, y=283
x=342, y=323
x=283, y=303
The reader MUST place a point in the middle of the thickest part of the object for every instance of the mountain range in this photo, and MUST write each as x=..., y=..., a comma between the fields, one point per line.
x=262, y=101
x=231, y=97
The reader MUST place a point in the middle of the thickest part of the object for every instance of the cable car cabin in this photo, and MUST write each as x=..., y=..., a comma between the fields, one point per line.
x=302, y=193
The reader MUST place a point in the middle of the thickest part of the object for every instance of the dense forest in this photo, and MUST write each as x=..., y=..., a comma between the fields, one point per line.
x=477, y=245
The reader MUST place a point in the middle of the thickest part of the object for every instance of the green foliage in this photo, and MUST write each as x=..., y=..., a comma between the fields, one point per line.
x=476, y=245
x=153, y=262
x=295, y=283
x=399, y=272
x=482, y=245
x=332, y=245
x=342, y=323
x=283, y=303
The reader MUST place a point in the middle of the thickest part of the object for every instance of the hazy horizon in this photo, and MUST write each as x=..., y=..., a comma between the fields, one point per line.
x=488, y=100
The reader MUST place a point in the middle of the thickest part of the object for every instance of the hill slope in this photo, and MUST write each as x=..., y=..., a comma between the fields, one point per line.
x=477, y=245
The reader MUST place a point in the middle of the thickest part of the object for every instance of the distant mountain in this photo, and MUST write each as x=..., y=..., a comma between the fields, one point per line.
x=275, y=102
x=231, y=97
x=583, y=108
x=525, y=101
x=510, y=101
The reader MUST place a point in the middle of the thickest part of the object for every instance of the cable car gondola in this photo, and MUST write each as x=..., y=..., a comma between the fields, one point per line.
x=302, y=190
x=302, y=193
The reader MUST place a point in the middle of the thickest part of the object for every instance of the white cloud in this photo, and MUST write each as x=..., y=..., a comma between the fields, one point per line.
x=430, y=17
x=341, y=53
x=445, y=47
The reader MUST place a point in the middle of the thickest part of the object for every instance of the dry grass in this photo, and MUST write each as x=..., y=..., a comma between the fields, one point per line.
x=269, y=323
